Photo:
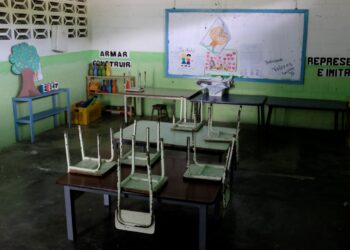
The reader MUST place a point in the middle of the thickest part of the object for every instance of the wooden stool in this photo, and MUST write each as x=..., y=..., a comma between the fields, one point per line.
x=162, y=112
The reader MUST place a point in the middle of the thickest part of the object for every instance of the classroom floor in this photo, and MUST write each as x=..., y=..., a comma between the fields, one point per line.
x=291, y=191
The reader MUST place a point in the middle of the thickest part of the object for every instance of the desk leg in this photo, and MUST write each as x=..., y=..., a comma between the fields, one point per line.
x=259, y=118
x=335, y=120
x=106, y=200
x=125, y=109
x=262, y=116
x=142, y=106
x=268, y=120
x=55, y=118
x=14, y=107
x=70, y=213
x=173, y=110
x=202, y=237
x=31, y=122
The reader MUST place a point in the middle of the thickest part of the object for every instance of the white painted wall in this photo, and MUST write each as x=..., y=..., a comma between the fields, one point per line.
x=43, y=46
x=139, y=25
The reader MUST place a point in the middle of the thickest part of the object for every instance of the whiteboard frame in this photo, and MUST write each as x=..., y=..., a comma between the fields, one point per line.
x=305, y=12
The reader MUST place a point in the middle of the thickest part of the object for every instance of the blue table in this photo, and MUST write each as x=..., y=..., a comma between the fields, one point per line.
x=32, y=117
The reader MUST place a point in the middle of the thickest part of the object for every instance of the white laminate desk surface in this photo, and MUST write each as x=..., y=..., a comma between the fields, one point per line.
x=171, y=137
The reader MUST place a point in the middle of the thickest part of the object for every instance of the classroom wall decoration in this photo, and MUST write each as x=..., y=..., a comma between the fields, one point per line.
x=336, y=66
x=252, y=45
x=115, y=58
x=26, y=61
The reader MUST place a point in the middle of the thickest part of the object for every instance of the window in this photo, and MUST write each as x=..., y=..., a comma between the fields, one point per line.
x=32, y=19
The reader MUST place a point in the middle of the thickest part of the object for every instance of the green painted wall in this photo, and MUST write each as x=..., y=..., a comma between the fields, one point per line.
x=70, y=69
x=314, y=87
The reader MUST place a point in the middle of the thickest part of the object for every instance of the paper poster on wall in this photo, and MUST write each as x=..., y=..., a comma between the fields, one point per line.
x=250, y=58
x=187, y=61
x=223, y=64
x=217, y=37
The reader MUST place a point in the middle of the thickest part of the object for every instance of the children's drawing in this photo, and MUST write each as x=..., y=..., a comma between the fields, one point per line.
x=217, y=37
x=222, y=64
x=186, y=58
x=188, y=61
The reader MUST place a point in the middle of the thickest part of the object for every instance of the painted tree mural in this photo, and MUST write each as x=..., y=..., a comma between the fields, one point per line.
x=26, y=62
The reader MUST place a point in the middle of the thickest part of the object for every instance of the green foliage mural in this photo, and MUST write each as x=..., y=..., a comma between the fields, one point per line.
x=24, y=56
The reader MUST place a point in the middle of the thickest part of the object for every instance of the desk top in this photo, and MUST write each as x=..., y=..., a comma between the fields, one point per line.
x=163, y=92
x=50, y=93
x=172, y=137
x=306, y=103
x=176, y=189
x=233, y=99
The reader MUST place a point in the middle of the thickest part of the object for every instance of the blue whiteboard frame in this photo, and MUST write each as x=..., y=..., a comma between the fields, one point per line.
x=263, y=80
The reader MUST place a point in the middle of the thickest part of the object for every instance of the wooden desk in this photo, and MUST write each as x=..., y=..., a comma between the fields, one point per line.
x=313, y=104
x=235, y=99
x=196, y=194
x=157, y=93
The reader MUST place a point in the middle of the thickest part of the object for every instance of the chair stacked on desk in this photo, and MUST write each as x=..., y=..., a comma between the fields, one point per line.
x=136, y=221
x=182, y=124
x=209, y=171
x=90, y=165
x=215, y=172
x=220, y=136
x=139, y=157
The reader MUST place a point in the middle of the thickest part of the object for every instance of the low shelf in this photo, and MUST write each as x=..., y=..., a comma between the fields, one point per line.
x=32, y=117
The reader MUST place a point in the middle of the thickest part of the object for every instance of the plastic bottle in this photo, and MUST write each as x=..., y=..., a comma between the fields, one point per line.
x=103, y=70
x=91, y=70
x=94, y=69
x=114, y=87
x=109, y=86
x=104, y=88
x=99, y=70
x=108, y=69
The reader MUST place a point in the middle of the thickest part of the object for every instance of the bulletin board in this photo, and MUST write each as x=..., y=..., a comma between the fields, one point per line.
x=252, y=45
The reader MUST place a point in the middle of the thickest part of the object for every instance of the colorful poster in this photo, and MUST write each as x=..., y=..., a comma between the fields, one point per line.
x=222, y=64
x=187, y=61
x=217, y=37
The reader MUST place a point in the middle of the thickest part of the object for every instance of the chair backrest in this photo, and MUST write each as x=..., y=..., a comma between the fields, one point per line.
x=237, y=133
x=150, y=215
x=238, y=121
x=210, y=118
x=134, y=133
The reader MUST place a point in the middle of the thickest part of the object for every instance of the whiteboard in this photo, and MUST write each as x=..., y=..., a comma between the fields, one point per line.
x=252, y=45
